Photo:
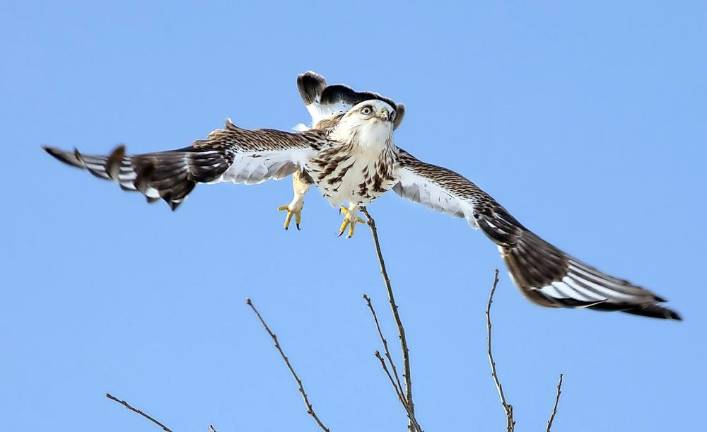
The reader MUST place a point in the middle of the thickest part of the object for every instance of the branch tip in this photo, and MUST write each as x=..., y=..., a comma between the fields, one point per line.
x=557, y=401
x=298, y=380
x=405, y=395
x=507, y=407
x=139, y=412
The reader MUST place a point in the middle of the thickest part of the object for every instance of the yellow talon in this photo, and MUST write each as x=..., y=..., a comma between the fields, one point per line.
x=350, y=221
x=288, y=217
x=343, y=226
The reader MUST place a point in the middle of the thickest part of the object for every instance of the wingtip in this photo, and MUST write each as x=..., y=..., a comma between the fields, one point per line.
x=51, y=150
x=310, y=85
x=399, y=115
x=69, y=158
x=667, y=312
x=673, y=315
x=312, y=75
x=654, y=311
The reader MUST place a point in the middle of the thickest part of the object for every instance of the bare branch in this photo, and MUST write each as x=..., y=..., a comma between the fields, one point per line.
x=212, y=428
x=139, y=412
x=397, y=384
x=394, y=377
x=396, y=315
x=557, y=401
x=411, y=416
x=507, y=408
x=305, y=398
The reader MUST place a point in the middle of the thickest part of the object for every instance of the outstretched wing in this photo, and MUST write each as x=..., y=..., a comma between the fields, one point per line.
x=324, y=102
x=230, y=154
x=545, y=274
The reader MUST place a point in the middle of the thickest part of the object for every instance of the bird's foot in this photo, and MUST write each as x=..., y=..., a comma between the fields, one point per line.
x=291, y=210
x=351, y=218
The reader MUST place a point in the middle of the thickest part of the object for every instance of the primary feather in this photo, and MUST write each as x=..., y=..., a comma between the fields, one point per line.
x=545, y=274
x=230, y=154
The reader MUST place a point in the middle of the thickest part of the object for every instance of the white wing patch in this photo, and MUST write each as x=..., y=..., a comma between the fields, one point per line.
x=586, y=285
x=257, y=167
x=423, y=190
x=546, y=275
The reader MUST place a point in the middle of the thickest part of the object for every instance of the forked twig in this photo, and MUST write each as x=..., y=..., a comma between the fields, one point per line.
x=411, y=416
x=384, y=365
x=507, y=408
x=557, y=401
x=305, y=398
x=139, y=412
x=398, y=321
x=398, y=386
x=392, y=377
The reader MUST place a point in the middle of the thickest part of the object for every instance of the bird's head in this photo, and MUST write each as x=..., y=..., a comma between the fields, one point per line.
x=369, y=122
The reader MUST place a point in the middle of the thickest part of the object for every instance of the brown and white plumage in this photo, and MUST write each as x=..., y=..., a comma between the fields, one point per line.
x=349, y=153
x=328, y=102
x=230, y=154
x=545, y=274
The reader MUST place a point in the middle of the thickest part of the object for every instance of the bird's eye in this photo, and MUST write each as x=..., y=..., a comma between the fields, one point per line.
x=367, y=110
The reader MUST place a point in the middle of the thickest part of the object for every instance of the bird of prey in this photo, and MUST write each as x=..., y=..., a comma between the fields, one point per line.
x=348, y=152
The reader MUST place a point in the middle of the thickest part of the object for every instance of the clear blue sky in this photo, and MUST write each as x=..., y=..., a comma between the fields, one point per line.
x=586, y=122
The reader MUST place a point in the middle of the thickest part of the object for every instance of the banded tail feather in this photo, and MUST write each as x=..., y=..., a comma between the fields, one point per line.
x=169, y=175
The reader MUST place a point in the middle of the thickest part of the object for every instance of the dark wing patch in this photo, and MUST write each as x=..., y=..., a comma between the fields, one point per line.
x=310, y=85
x=230, y=154
x=341, y=94
x=399, y=115
x=170, y=175
x=326, y=102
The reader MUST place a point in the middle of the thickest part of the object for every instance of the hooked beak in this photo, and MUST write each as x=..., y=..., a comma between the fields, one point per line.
x=384, y=115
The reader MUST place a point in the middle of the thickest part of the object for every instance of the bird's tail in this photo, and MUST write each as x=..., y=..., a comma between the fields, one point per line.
x=169, y=175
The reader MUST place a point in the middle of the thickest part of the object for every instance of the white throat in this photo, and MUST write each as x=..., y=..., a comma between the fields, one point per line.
x=368, y=135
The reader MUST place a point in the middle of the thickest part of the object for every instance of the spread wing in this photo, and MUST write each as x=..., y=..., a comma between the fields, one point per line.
x=230, y=154
x=545, y=274
x=325, y=102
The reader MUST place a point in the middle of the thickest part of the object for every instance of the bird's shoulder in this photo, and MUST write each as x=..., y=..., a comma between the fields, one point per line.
x=233, y=137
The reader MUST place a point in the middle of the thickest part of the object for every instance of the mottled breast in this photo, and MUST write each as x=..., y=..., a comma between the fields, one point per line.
x=349, y=173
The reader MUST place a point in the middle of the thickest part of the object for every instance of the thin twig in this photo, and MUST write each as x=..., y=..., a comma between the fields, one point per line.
x=507, y=408
x=394, y=377
x=305, y=398
x=396, y=315
x=557, y=401
x=212, y=428
x=397, y=384
x=401, y=398
x=398, y=393
x=139, y=412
